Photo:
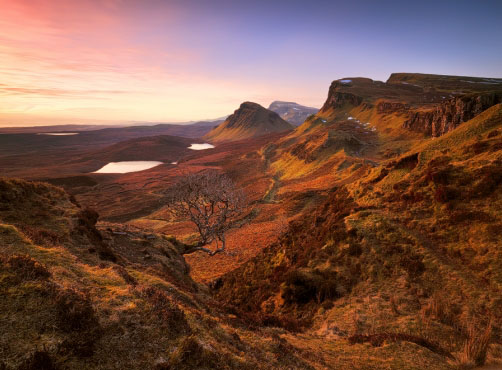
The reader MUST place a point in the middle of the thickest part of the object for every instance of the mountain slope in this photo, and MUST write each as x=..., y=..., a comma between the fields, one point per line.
x=292, y=112
x=411, y=247
x=75, y=297
x=392, y=257
x=250, y=120
x=371, y=120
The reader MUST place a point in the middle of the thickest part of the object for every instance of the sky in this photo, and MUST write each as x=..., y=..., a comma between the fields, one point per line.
x=118, y=61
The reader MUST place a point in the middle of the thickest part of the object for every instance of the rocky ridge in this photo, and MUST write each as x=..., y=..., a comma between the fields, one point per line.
x=450, y=114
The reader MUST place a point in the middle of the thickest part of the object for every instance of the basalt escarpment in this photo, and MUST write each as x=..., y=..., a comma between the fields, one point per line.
x=337, y=98
x=386, y=107
x=450, y=114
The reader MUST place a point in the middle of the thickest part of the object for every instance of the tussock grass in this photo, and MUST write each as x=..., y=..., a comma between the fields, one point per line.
x=475, y=349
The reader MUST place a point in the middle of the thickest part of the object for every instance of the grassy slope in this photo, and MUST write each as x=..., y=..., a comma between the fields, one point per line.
x=382, y=254
x=412, y=247
x=76, y=298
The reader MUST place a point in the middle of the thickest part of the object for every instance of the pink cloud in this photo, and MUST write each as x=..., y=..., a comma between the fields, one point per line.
x=125, y=59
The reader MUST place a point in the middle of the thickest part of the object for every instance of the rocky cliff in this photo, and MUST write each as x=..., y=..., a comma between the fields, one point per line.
x=385, y=107
x=448, y=115
x=338, y=98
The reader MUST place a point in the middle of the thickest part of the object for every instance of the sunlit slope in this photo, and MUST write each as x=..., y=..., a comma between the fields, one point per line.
x=250, y=120
x=371, y=120
x=412, y=247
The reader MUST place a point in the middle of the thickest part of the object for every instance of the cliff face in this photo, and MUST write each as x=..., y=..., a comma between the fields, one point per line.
x=450, y=114
x=391, y=107
x=338, y=98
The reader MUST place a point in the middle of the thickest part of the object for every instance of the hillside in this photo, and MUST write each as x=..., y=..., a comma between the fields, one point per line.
x=250, y=120
x=162, y=148
x=35, y=156
x=371, y=120
x=405, y=255
x=188, y=129
x=368, y=242
x=292, y=112
x=75, y=297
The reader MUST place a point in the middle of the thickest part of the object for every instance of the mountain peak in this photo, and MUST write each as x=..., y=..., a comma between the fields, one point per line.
x=292, y=112
x=250, y=120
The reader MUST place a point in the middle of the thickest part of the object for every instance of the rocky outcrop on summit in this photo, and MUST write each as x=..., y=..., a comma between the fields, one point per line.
x=250, y=120
x=447, y=116
x=337, y=98
x=292, y=112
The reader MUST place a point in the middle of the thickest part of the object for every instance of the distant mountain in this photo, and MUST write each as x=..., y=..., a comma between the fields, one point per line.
x=292, y=112
x=54, y=128
x=250, y=120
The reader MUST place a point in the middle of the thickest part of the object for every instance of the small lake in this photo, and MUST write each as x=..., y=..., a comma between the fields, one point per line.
x=125, y=167
x=200, y=146
x=58, y=133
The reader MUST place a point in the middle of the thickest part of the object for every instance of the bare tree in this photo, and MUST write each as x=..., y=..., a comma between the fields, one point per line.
x=211, y=202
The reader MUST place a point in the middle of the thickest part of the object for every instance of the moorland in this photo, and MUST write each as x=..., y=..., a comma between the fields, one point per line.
x=370, y=238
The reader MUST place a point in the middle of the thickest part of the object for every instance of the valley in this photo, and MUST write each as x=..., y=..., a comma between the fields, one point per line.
x=250, y=185
x=370, y=236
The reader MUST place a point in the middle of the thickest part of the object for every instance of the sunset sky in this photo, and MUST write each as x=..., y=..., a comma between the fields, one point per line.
x=96, y=61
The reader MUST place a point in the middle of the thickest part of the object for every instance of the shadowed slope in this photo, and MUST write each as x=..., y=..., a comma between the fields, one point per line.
x=74, y=297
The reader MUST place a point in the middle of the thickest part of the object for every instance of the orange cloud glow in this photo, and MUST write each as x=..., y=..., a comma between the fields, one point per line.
x=102, y=61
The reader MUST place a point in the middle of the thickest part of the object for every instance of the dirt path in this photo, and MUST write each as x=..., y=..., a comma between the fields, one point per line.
x=269, y=196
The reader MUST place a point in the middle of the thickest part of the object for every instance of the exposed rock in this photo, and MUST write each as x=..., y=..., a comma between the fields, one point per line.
x=450, y=114
x=385, y=107
x=338, y=98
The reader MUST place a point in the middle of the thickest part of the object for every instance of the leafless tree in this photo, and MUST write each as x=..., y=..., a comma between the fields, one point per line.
x=211, y=202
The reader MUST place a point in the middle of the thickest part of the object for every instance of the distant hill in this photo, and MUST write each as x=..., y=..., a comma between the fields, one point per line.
x=292, y=112
x=128, y=131
x=54, y=128
x=250, y=120
x=160, y=148
x=193, y=130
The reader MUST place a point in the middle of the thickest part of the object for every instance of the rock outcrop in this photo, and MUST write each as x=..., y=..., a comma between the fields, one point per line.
x=340, y=95
x=387, y=107
x=448, y=115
